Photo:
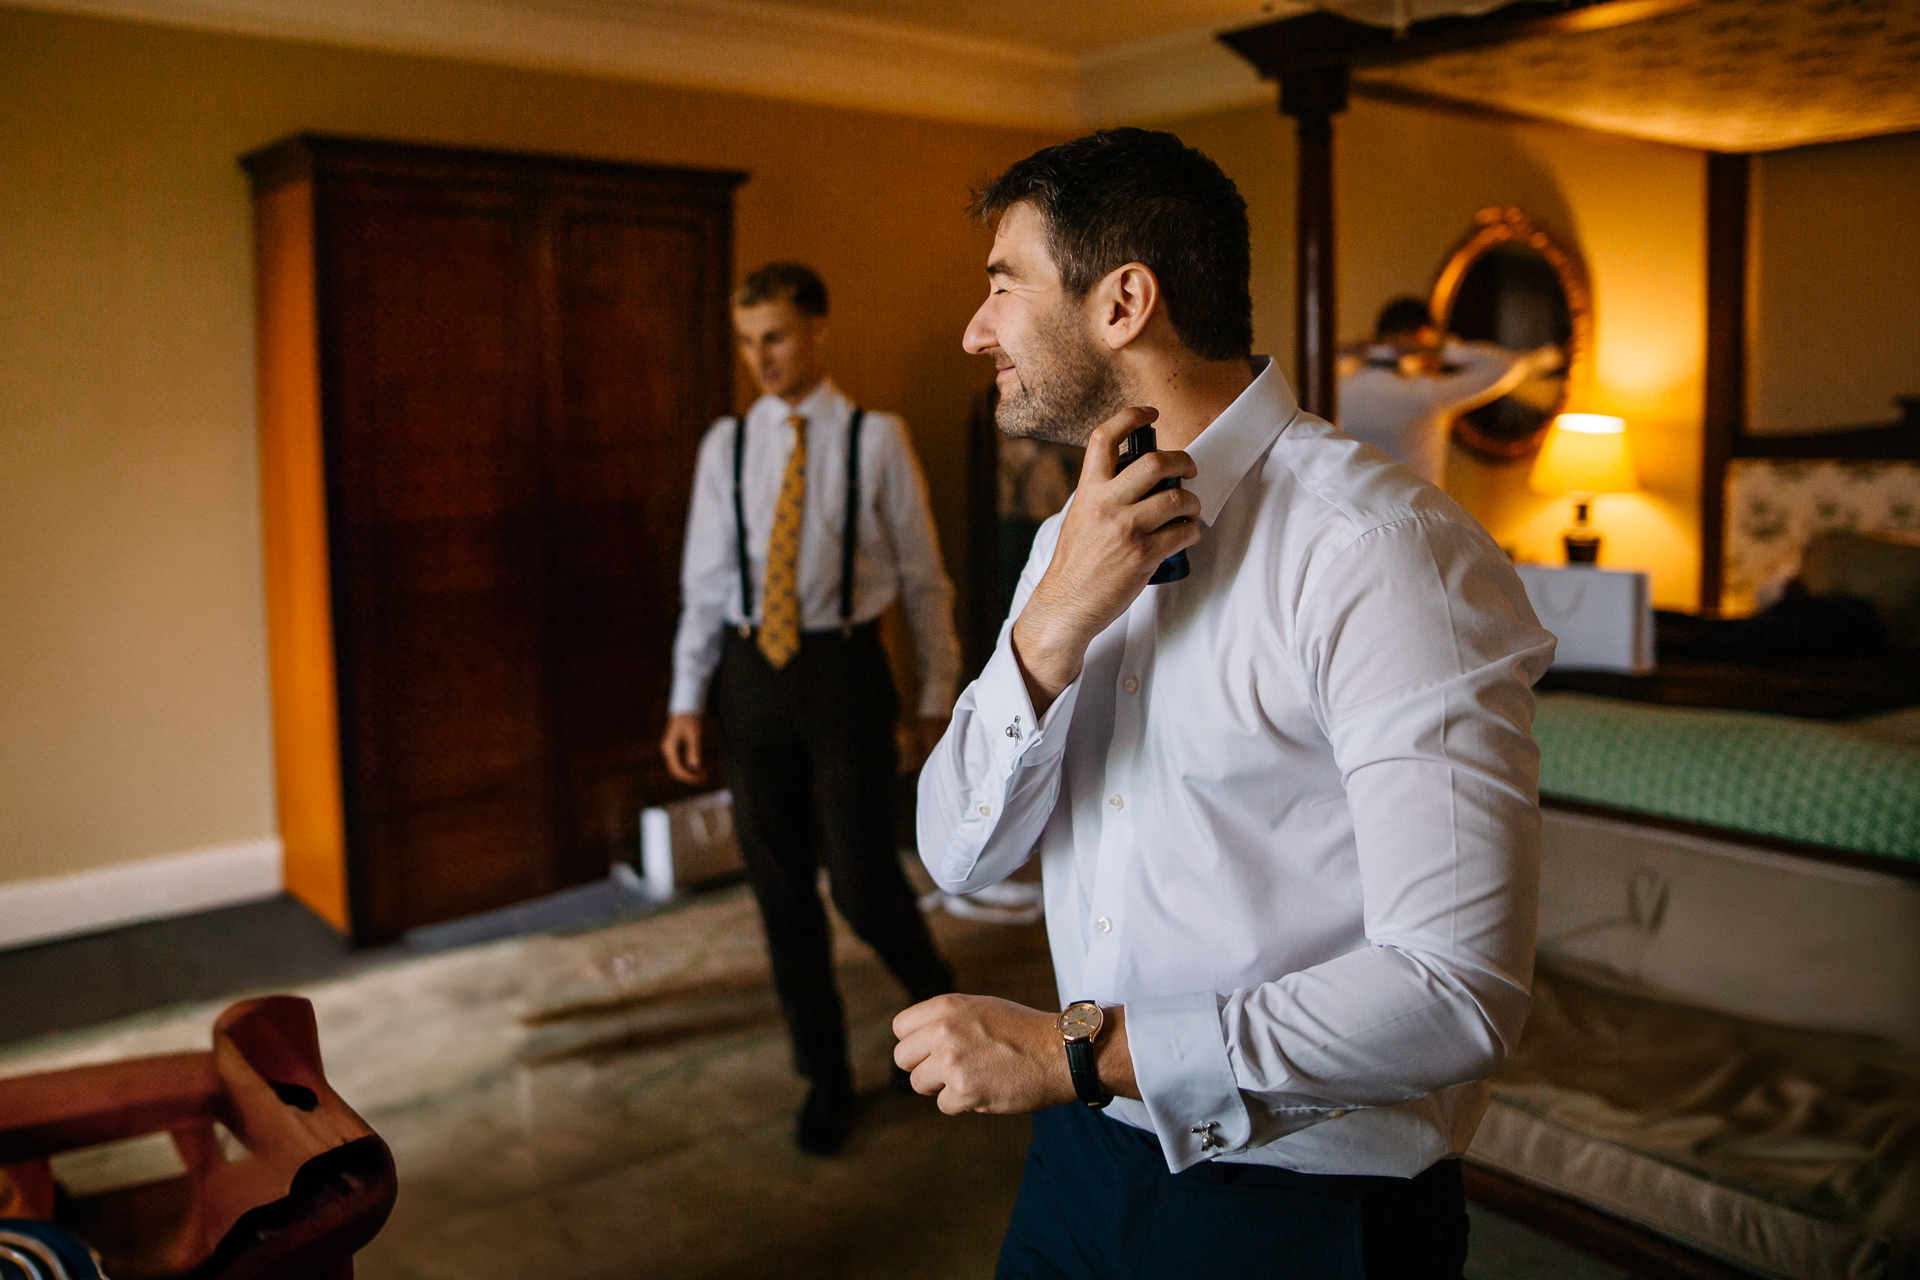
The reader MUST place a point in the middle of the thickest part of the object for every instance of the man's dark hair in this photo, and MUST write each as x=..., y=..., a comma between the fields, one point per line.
x=1402, y=315
x=784, y=282
x=1131, y=195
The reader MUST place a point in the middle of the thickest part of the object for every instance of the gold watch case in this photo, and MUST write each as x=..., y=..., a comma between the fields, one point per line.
x=1081, y=1020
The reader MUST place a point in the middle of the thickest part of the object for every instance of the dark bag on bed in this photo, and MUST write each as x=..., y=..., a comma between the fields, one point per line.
x=1798, y=627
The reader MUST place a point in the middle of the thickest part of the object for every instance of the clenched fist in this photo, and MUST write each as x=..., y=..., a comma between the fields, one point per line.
x=981, y=1053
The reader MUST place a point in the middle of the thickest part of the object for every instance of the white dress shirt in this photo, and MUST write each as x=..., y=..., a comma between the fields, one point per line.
x=897, y=553
x=1408, y=416
x=1287, y=813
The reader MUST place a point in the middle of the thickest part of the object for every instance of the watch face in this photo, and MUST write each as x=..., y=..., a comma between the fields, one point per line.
x=1082, y=1020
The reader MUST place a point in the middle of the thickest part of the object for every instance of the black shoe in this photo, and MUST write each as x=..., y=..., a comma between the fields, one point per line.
x=824, y=1121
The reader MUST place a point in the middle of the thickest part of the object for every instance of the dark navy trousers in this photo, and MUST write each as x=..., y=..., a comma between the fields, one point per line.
x=1097, y=1202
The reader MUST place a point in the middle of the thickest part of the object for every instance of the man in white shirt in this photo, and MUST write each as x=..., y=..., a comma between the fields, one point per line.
x=1285, y=807
x=1402, y=391
x=809, y=518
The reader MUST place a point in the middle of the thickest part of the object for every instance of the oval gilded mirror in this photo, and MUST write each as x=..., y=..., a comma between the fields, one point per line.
x=1512, y=284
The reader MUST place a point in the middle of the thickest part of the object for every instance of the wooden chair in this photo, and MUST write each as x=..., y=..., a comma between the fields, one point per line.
x=313, y=1185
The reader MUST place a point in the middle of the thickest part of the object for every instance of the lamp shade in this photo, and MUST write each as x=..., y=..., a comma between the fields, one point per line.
x=1584, y=453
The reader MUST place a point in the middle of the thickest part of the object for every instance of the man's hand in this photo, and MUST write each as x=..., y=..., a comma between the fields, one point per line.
x=1114, y=537
x=980, y=1053
x=927, y=733
x=681, y=747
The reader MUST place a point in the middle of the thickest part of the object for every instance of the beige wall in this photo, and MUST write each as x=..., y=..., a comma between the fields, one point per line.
x=133, y=713
x=1407, y=185
x=1836, y=284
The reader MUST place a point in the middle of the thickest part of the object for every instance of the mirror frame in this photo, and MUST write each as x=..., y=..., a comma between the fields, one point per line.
x=1492, y=227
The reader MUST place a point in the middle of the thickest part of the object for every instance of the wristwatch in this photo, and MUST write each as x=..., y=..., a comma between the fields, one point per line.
x=1080, y=1022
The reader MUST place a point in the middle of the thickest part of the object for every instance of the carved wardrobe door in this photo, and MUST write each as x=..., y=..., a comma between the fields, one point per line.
x=483, y=379
x=643, y=364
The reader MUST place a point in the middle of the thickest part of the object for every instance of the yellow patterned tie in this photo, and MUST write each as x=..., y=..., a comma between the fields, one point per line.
x=780, y=623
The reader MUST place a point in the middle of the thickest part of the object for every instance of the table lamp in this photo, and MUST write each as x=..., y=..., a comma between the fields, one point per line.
x=1585, y=455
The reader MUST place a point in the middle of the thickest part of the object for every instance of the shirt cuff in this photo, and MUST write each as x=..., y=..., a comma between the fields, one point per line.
x=1000, y=701
x=1186, y=1081
x=1003, y=715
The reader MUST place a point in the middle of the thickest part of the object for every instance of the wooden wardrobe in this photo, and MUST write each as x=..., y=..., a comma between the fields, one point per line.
x=483, y=378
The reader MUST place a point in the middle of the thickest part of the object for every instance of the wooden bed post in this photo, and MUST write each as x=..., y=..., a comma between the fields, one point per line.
x=1728, y=177
x=1313, y=96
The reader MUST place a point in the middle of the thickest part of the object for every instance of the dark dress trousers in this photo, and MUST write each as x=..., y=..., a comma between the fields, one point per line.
x=811, y=760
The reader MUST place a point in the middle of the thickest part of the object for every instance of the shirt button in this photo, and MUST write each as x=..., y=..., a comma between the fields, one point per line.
x=986, y=811
x=1116, y=801
x=1131, y=685
x=1103, y=924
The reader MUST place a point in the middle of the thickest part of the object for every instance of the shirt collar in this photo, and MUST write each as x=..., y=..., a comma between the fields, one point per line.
x=820, y=403
x=1226, y=450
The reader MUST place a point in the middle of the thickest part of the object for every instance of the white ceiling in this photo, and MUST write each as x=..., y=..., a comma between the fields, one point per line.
x=1062, y=65
x=1084, y=26
x=1733, y=74
x=1056, y=26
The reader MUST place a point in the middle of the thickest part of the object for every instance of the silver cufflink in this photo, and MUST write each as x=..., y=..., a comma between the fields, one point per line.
x=1013, y=730
x=1209, y=1139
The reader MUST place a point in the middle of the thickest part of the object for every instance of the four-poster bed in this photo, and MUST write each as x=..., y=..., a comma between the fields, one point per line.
x=1738, y=952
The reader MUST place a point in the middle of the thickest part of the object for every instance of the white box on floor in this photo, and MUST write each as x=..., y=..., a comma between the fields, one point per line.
x=688, y=842
x=1603, y=618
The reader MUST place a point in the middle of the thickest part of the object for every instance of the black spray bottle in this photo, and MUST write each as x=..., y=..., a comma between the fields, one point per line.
x=1137, y=445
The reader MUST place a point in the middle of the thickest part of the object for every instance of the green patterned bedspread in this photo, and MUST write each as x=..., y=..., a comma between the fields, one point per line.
x=1842, y=786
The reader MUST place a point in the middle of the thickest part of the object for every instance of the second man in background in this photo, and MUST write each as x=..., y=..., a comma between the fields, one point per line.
x=809, y=518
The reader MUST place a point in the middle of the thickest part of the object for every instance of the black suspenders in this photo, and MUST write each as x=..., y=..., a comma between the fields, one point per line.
x=740, y=525
x=848, y=542
x=851, y=526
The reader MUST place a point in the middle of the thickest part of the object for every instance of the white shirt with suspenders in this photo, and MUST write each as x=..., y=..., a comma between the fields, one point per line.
x=861, y=476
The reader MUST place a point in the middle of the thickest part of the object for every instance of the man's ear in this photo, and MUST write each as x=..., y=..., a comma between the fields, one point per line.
x=817, y=327
x=1125, y=301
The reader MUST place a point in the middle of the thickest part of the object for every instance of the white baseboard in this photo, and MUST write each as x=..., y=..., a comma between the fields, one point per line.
x=151, y=889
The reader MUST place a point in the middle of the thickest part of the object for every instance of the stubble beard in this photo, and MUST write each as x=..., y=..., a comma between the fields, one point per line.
x=1068, y=386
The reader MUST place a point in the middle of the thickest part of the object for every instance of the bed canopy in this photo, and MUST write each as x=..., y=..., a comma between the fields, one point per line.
x=1731, y=77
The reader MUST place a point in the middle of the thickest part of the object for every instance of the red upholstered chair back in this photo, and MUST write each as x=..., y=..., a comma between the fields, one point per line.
x=308, y=1186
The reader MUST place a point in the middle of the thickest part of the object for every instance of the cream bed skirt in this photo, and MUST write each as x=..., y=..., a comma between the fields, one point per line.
x=1742, y=1229
x=1734, y=927
x=1724, y=1049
